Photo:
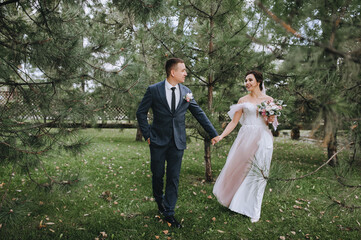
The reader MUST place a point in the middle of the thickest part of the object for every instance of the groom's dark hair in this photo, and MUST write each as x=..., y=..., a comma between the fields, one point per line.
x=169, y=65
x=258, y=75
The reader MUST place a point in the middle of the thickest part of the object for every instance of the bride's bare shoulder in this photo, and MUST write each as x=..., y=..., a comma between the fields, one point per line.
x=243, y=99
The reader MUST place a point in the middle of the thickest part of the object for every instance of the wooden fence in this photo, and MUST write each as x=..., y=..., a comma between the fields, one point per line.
x=109, y=116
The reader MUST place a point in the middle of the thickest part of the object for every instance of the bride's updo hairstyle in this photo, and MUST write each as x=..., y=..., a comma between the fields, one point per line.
x=259, y=77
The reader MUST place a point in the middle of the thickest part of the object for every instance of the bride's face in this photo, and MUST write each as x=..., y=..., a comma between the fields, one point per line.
x=251, y=83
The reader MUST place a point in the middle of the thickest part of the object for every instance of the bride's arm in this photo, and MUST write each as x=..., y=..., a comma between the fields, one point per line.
x=230, y=125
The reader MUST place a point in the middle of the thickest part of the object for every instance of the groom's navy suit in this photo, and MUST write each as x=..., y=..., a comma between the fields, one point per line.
x=167, y=136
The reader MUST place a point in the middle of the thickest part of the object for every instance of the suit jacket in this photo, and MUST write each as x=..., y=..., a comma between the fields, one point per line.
x=164, y=121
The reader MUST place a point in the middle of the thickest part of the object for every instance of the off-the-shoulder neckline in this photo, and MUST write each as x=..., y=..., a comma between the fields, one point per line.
x=249, y=103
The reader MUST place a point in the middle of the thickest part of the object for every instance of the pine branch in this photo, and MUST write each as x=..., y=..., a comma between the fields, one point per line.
x=339, y=179
x=218, y=7
x=26, y=151
x=306, y=100
x=236, y=33
x=8, y=2
x=103, y=70
x=336, y=24
x=237, y=54
x=104, y=84
x=7, y=189
x=15, y=84
x=342, y=204
x=199, y=10
x=289, y=29
x=306, y=175
x=166, y=47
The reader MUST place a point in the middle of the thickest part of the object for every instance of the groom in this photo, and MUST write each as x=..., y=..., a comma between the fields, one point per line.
x=169, y=100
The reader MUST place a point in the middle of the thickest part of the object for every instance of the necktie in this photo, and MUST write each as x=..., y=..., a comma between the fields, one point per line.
x=173, y=100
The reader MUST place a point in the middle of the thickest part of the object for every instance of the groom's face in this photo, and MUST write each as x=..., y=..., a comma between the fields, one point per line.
x=179, y=72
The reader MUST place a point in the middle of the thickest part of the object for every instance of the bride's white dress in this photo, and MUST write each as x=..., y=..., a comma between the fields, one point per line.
x=241, y=183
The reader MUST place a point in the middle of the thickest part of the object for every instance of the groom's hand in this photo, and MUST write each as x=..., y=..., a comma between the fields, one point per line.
x=148, y=140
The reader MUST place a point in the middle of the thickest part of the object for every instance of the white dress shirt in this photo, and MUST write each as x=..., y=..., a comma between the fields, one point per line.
x=168, y=93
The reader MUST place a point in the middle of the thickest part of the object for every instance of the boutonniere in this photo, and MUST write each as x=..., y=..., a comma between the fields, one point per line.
x=188, y=97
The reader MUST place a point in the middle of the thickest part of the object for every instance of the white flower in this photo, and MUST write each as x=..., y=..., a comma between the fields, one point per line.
x=188, y=97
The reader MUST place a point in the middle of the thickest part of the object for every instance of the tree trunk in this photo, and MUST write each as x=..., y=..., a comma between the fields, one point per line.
x=332, y=148
x=207, y=158
x=295, y=133
x=330, y=137
x=139, y=136
x=207, y=141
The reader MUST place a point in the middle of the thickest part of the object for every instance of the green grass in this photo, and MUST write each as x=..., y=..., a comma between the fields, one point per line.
x=116, y=166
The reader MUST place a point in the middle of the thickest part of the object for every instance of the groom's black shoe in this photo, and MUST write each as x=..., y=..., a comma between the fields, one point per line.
x=161, y=208
x=172, y=221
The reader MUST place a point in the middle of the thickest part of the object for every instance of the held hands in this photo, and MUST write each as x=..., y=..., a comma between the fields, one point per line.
x=216, y=139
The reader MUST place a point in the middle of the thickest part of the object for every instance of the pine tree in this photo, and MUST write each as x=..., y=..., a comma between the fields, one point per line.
x=51, y=54
x=320, y=61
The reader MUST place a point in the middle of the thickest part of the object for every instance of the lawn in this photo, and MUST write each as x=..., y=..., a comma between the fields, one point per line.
x=113, y=197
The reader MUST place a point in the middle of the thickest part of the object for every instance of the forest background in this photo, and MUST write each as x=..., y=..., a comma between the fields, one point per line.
x=64, y=63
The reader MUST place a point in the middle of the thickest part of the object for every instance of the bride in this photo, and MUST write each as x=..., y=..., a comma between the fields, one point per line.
x=241, y=183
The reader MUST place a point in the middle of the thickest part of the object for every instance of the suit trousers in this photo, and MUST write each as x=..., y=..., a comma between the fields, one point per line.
x=159, y=156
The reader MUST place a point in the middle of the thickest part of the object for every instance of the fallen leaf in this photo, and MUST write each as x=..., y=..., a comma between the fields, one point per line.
x=41, y=225
x=194, y=193
x=51, y=230
x=213, y=219
x=156, y=237
x=282, y=237
x=165, y=231
x=297, y=207
x=49, y=223
x=293, y=232
x=220, y=231
x=209, y=197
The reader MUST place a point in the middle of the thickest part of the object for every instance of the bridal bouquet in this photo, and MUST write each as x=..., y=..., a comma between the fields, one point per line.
x=269, y=108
